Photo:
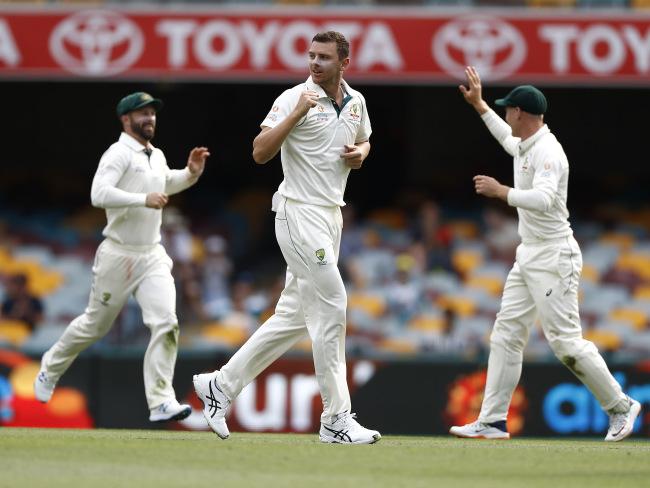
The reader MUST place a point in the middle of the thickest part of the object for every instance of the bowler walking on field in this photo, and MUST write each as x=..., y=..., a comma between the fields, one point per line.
x=322, y=129
x=133, y=184
x=544, y=278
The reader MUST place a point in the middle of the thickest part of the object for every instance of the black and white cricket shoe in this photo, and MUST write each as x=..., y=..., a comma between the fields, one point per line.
x=346, y=430
x=168, y=411
x=622, y=424
x=481, y=430
x=215, y=402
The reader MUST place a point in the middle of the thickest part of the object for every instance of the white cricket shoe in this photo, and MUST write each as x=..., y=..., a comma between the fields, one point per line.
x=621, y=424
x=170, y=410
x=215, y=402
x=43, y=387
x=346, y=430
x=480, y=430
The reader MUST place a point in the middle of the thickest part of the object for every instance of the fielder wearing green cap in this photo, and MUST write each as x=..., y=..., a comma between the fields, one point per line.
x=137, y=100
x=544, y=279
x=133, y=183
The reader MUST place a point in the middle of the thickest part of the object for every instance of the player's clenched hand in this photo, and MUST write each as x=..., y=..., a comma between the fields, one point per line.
x=353, y=157
x=156, y=200
x=489, y=187
x=196, y=160
x=307, y=100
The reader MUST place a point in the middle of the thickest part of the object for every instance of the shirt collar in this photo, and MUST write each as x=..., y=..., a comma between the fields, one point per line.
x=321, y=93
x=524, y=146
x=133, y=143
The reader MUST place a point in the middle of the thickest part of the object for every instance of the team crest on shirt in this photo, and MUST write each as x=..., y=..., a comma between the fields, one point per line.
x=320, y=255
x=321, y=115
x=355, y=111
x=105, y=298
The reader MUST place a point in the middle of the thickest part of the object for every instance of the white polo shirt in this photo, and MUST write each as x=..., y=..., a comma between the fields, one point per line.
x=124, y=177
x=314, y=171
x=541, y=178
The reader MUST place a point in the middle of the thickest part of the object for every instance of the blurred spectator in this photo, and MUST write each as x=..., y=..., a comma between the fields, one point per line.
x=19, y=304
x=373, y=266
x=405, y=293
x=179, y=243
x=434, y=237
x=501, y=234
x=215, y=269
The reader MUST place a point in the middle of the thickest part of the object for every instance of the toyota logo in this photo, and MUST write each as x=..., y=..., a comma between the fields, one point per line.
x=96, y=43
x=495, y=47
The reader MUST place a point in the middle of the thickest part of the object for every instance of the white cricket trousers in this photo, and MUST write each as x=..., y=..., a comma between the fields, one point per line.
x=120, y=271
x=313, y=301
x=544, y=281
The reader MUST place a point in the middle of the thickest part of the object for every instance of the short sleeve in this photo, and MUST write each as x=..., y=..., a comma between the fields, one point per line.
x=364, y=131
x=281, y=108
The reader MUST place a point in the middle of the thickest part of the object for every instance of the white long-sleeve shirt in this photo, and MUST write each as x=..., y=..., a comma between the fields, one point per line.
x=124, y=177
x=541, y=177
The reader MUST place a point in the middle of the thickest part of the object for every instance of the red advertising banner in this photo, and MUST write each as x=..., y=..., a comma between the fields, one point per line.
x=387, y=46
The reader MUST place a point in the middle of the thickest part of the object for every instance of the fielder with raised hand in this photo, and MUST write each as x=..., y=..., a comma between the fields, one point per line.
x=133, y=184
x=545, y=275
x=322, y=129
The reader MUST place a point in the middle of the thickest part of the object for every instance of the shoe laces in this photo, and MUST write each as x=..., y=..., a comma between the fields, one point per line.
x=348, y=419
x=617, y=421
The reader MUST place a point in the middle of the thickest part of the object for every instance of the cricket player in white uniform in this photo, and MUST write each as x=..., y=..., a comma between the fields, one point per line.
x=322, y=128
x=544, y=278
x=133, y=184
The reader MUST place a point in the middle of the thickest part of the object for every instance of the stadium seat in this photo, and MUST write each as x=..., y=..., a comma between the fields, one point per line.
x=398, y=345
x=623, y=241
x=638, y=319
x=14, y=332
x=458, y=304
x=604, y=339
x=373, y=305
x=491, y=284
x=427, y=323
x=466, y=259
x=228, y=335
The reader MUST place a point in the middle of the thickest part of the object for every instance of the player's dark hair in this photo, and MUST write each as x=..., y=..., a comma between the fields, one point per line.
x=342, y=44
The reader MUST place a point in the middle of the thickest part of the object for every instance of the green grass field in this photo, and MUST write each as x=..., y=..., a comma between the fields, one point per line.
x=112, y=458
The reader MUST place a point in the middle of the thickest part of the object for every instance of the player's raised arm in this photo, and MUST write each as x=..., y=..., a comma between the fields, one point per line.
x=473, y=92
x=270, y=139
x=473, y=95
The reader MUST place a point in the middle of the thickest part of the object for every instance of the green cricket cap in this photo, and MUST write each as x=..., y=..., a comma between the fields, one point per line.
x=137, y=100
x=526, y=97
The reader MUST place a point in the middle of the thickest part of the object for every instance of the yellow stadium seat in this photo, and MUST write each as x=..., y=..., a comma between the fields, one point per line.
x=590, y=273
x=399, y=346
x=491, y=284
x=642, y=292
x=14, y=331
x=636, y=318
x=232, y=336
x=604, y=340
x=371, y=304
x=392, y=218
x=622, y=241
x=637, y=263
x=461, y=306
x=551, y=3
x=464, y=229
x=640, y=4
x=466, y=260
x=427, y=323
